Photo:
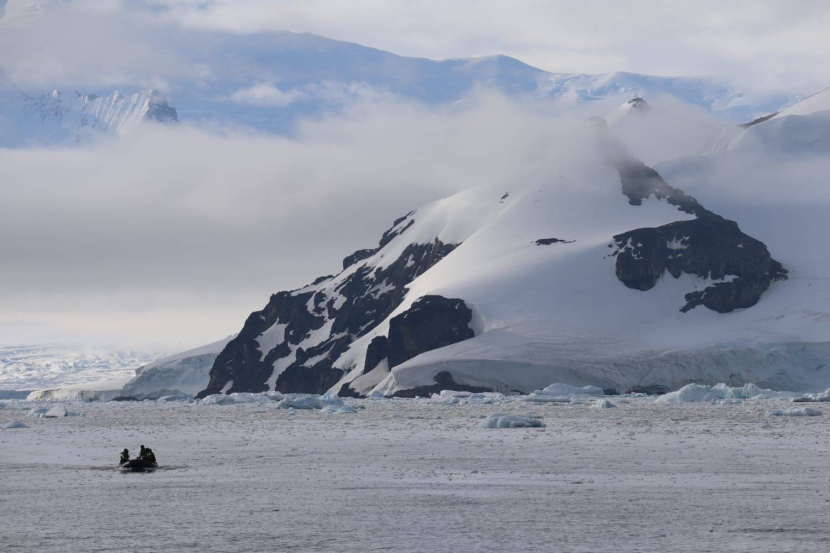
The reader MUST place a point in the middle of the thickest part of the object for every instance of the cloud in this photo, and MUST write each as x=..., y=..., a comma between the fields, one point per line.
x=770, y=44
x=330, y=92
x=179, y=233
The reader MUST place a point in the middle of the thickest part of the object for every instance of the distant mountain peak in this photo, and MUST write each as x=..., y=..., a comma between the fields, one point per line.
x=58, y=117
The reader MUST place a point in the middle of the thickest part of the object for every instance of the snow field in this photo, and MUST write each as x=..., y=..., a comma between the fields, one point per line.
x=416, y=475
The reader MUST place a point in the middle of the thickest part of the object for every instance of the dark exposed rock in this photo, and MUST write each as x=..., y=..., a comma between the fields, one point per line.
x=362, y=300
x=359, y=255
x=431, y=322
x=610, y=392
x=345, y=391
x=396, y=229
x=549, y=241
x=640, y=181
x=708, y=246
x=758, y=120
x=125, y=398
x=443, y=381
x=298, y=379
x=161, y=113
x=375, y=353
x=639, y=105
x=242, y=361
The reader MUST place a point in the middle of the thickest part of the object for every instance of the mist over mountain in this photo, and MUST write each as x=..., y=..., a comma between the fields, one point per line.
x=271, y=82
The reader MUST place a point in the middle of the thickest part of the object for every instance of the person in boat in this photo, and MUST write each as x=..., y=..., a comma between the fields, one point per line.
x=142, y=454
x=150, y=456
x=125, y=456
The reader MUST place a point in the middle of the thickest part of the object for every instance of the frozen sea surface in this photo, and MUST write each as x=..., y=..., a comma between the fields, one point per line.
x=417, y=475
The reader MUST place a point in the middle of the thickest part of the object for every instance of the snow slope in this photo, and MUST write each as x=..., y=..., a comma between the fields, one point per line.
x=802, y=127
x=184, y=373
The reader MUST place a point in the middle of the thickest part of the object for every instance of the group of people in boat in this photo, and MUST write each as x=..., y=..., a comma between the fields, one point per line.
x=146, y=454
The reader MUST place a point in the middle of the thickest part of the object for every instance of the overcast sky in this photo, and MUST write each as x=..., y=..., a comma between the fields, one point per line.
x=175, y=236
x=760, y=43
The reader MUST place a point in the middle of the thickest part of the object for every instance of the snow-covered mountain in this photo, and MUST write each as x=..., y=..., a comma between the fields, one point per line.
x=270, y=81
x=604, y=275
x=58, y=118
x=802, y=127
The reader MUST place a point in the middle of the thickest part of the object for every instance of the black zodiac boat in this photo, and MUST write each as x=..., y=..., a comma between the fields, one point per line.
x=139, y=465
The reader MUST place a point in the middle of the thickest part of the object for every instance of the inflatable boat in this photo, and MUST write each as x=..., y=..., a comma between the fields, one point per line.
x=139, y=465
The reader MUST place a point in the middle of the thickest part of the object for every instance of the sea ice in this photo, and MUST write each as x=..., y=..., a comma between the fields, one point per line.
x=504, y=420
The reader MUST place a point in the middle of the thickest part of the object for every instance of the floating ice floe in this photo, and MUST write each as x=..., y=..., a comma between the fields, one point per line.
x=14, y=424
x=301, y=402
x=56, y=412
x=309, y=401
x=217, y=399
x=250, y=398
x=602, y=404
x=562, y=393
x=504, y=420
x=793, y=412
x=450, y=397
x=720, y=393
x=819, y=398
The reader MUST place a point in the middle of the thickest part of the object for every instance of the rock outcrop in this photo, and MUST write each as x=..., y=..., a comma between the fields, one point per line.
x=738, y=267
x=431, y=323
x=292, y=343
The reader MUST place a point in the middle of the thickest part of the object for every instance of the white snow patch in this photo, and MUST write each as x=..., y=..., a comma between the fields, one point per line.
x=676, y=244
x=793, y=412
x=271, y=338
